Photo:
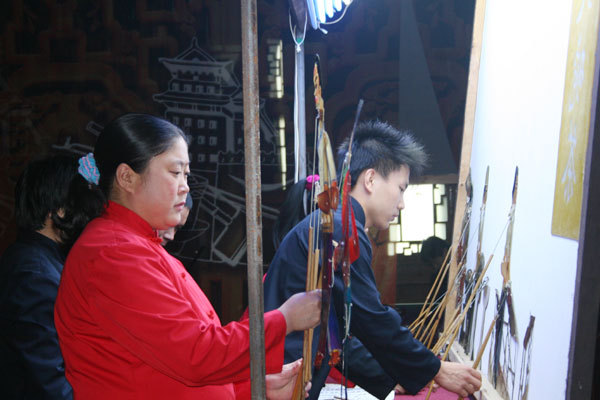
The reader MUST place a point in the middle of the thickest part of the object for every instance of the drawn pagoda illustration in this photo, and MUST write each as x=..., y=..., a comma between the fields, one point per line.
x=204, y=98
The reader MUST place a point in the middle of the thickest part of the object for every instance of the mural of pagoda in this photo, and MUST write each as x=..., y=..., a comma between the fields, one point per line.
x=204, y=98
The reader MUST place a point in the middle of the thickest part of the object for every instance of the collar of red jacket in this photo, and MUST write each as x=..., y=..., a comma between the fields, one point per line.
x=134, y=222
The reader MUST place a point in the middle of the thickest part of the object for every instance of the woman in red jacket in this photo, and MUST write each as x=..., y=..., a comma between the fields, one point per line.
x=132, y=322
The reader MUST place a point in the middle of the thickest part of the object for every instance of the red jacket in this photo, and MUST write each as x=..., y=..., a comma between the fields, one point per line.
x=133, y=324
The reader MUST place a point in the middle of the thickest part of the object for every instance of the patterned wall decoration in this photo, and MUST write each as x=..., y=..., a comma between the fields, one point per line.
x=69, y=67
x=204, y=98
x=73, y=66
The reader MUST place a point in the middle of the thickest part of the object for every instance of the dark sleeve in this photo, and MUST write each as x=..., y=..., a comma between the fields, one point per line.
x=286, y=276
x=365, y=371
x=379, y=328
x=34, y=334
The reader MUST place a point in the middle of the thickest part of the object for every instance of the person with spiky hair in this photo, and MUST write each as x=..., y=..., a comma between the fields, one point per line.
x=386, y=353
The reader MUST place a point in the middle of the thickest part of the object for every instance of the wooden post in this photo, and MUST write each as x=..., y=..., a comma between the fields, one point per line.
x=467, y=142
x=253, y=198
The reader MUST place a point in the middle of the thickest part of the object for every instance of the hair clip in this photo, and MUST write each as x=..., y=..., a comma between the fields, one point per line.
x=87, y=169
x=310, y=181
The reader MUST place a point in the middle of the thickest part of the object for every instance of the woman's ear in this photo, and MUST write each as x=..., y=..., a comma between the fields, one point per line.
x=126, y=178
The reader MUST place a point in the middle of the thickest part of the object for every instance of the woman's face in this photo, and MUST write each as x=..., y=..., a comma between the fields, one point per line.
x=160, y=196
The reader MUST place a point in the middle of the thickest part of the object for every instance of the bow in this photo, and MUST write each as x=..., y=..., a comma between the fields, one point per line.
x=506, y=295
x=327, y=202
x=461, y=250
x=471, y=320
x=324, y=195
x=348, y=250
x=480, y=259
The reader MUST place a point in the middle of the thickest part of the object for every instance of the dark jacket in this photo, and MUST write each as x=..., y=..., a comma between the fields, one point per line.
x=386, y=352
x=31, y=364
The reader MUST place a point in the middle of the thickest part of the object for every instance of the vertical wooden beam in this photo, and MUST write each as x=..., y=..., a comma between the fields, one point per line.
x=253, y=197
x=586, y=304
x=467, y=142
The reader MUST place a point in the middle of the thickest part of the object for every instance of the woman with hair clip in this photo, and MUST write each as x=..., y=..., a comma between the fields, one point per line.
x=132, y=322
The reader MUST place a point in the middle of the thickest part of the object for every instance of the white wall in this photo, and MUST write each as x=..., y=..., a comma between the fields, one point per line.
x=517, y=123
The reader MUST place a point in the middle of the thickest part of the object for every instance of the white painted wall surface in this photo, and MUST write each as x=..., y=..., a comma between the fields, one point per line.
x=517, y=123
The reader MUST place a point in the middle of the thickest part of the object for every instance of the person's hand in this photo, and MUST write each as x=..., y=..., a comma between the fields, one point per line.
x=398, y=389
x=458, y=378
x=281, y=386
x=302, y=310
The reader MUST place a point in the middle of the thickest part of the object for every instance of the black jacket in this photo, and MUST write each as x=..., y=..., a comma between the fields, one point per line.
x=386, y=352
x=31, y=364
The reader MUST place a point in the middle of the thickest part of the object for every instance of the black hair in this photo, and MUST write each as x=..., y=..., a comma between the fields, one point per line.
x=380, y=146
x=42, y=190
x=292, y=210
x=132, y=139
x=432, y=248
